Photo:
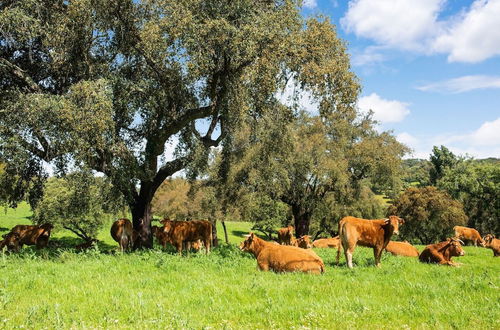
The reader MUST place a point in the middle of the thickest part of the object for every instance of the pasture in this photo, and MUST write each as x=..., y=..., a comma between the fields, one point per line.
x=59, y=288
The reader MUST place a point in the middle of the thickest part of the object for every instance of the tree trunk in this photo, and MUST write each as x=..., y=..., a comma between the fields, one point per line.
x=215, y=240
x=225, y=232
x=141, y=219
x=302, y=219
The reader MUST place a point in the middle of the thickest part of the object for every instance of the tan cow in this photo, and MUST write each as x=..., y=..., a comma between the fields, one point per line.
x=468, y=234
x=282, y=258
x=441, y=253
x=123, y=232
x=10, y=241
x=404, y=249
x=332, y=242
x=37, y=235
x=370, y=233
x=182, y=233
x=285, y=235
x=492, y=243
x=303, y=242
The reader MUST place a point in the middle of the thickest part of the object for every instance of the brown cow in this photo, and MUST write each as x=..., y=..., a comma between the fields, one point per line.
x=282, y=258
x=303, y=242
x=441, y=253
x=404, y=249
x=123, y=232
x=285, y=235
x=182, y=233
x=468, y=234
x=37, y=235
x=370, y=233
x=160, y=235
x=492, y=243
x=332, y=242
x=11, y=242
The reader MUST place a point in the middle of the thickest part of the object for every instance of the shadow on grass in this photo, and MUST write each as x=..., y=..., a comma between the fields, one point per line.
x=239, y=233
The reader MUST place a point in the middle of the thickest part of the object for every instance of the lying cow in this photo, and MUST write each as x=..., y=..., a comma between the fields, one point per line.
x=404, y=249
x=441, y=253
x=468, y=235
x=370, y=233
x=285, y=236
x=303, y=242
x=282, y=258
x=10, y=242
x=123, y=232
x=332, y=242
x=182, y=233
x=492, y=243
x=37, y=235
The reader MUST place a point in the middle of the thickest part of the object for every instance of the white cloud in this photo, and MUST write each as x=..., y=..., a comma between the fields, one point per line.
x=488, y=134
x=473, y=35
x=384, y=111
x=310, y=4
x=370, y=55
x=462, y=84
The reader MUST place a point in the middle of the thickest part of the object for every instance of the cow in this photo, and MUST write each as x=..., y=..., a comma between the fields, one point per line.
x=492, y=243
x=468, y=235
x=441, y=253
x=285, y=235
x=370, y=233
x=332, y=242
x=404, y=249
x=303, y=242
x=10, y=241
x=182, y=233
x=160, y=235
x=282, y=258
x=37, y=235
x=86, y=245
x=123, y=232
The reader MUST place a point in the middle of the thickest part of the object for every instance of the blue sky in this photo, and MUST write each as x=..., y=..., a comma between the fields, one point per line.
x=430, y=69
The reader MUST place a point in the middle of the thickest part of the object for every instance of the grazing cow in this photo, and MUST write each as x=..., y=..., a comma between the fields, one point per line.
x=11, y=242
x=182, y=233
x=492, y=243
x=332, y=242
x=86, y=245
x=123, y=232
x=468, y=234
x=37, y=235
x=404, y=249
x=303, y=242
x=441, y=253
x=160, y=235
x=285, y=235
x=282, y=258
x=370, y=233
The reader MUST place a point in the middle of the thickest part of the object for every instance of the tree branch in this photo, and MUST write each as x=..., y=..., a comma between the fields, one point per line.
x=19, y=74
x=167, y=170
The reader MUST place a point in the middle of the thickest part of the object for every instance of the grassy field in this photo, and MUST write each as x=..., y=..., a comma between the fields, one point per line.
x=58, y=288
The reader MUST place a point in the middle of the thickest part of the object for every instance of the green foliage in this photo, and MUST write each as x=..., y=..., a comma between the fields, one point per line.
x=266, y=214
x=78, y=202
x=441, y=159
x=477, y=186
x=430, y=214
x=416, y=172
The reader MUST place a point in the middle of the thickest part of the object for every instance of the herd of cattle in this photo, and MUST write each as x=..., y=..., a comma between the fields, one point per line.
x=289, y=253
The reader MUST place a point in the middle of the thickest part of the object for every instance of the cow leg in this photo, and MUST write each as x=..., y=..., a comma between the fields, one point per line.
x=377, y=254
x=348, y=251
x=263, y=266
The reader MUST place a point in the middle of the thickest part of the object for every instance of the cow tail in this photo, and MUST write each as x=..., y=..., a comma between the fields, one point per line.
x=124, y=240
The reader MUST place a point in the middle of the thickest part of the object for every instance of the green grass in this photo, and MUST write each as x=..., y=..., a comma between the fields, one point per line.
x=57, y=288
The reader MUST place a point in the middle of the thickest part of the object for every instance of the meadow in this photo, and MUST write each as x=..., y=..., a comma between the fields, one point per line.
x=101, y=288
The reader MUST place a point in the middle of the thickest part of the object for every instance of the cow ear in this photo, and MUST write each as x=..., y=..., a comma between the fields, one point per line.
x=386, y=221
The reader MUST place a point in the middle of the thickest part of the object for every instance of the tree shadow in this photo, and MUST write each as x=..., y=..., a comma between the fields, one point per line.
x=239, y=233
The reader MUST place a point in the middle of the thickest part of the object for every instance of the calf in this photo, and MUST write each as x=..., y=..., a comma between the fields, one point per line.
x=468, y=235
x=303, y=242
x=369, y=233
x=441, y=253
x=182, y=233
x=11, y=242
x=37, y=235
x=333, y=242
x=285, y=235
x=404, y=249
x=160, y=235
x=282, y=258
x=492, y=243
x=123, y=232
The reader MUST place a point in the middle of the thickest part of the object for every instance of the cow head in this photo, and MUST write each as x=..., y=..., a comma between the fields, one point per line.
x=304, y=242
x=488, y=238
x=455, y=248
x=11, y=241
x=248, y=244
x=394, y=222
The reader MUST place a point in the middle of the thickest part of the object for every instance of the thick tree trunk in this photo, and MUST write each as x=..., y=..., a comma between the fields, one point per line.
x=302, y=219
x=141, y=219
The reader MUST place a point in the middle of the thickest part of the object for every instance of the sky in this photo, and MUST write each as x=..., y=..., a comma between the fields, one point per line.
x=430, y=69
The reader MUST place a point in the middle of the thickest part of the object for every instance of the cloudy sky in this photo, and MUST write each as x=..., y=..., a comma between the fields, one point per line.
x=430, y=69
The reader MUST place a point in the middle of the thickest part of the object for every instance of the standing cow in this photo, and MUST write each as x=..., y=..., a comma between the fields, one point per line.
x=285, y=236
x=370, y=233
x=441, y=253
x=37, y=235
x=123, y=232
x=468, y=234
x=492, y=243
x=181, y=234
x=282, y=258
